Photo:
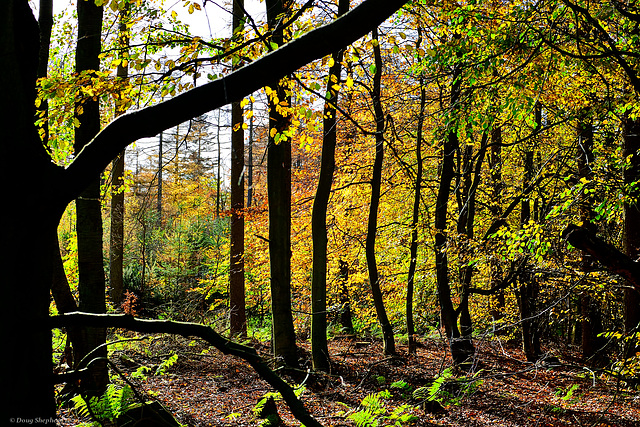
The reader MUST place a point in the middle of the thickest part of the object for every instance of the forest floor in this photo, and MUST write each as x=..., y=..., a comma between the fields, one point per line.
x=211, y=389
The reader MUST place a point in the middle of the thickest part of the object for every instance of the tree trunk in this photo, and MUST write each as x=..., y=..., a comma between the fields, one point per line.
x=495, y=207
x=279, y=195
x=527, y=293
x=471, y=179
x=91, y=287
x=461, y=348
x=237, y=312
x=27, y=267
x=319, y=348
x=346, y=319
x=372, y=222
x=250, y=160
x=116, y=233
x=45, y=23
x=591, y=324
x=415, y=216
x=160, y=178
x=631, y=145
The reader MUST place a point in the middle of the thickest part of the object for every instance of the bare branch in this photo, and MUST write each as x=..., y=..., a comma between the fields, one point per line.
x=187, y=329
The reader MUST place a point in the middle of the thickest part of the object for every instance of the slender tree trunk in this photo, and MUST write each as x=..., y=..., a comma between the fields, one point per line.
x=415, y=217
x=527, y=293
x=45, y=23
x=218, y=169
x=160, y=178
x=91, y=287
x=631, y=145
x=250, y=160
x=116, y=234
x=279, y=195
x=465, y=233
x=461, y=349
x=346, y=319
x=319, y=348
x=495, y=166
x=237, y=314
x=471, y=179
x=591, y=324
x=372, y=223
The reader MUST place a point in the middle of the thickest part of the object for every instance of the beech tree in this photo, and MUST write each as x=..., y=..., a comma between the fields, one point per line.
x=319, y=349
x=91, y=285
x=40, y=190
x=237, y=315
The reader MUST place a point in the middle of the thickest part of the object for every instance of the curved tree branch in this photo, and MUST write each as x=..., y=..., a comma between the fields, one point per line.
x=150, y=121
x=187, y=329
x=609, y=256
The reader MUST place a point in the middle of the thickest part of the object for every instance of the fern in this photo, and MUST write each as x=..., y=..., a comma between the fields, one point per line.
x=162, y=369
x=373, y=412
x=364, y=418
x=106, y=408
x=437, y=391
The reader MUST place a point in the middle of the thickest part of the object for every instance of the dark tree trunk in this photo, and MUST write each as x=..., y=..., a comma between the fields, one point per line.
x=116, y=233
x=319, y=347
x=461, y=348
x=237, y=311
x=91, y=283
x=527, y=292
x=631, y=141
x=495, y=207
x=279, y=194
x=250, y=160
x=45, y=23
x=27, y=267
x=591, y=324
x=372, y=223
x=415, y=217
x=471, y=179
x=346, y=319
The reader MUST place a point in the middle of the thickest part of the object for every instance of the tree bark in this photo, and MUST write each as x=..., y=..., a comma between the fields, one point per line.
x=631, y=145
x=91, y=277
x=45, y=24
x=116, y=232
x=237, y=311
x=415, y=215
x=591, y=323
x=461, y=348
x=527, y=291
x=495, y=207
x=31, y=235
x=279, y=195
x=319, y=347
x=372, y=222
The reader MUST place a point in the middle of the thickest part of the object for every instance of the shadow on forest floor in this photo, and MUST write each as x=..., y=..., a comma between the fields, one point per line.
x=211, y=389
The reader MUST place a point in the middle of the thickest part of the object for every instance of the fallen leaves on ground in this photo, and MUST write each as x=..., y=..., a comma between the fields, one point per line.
x=207, y=388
